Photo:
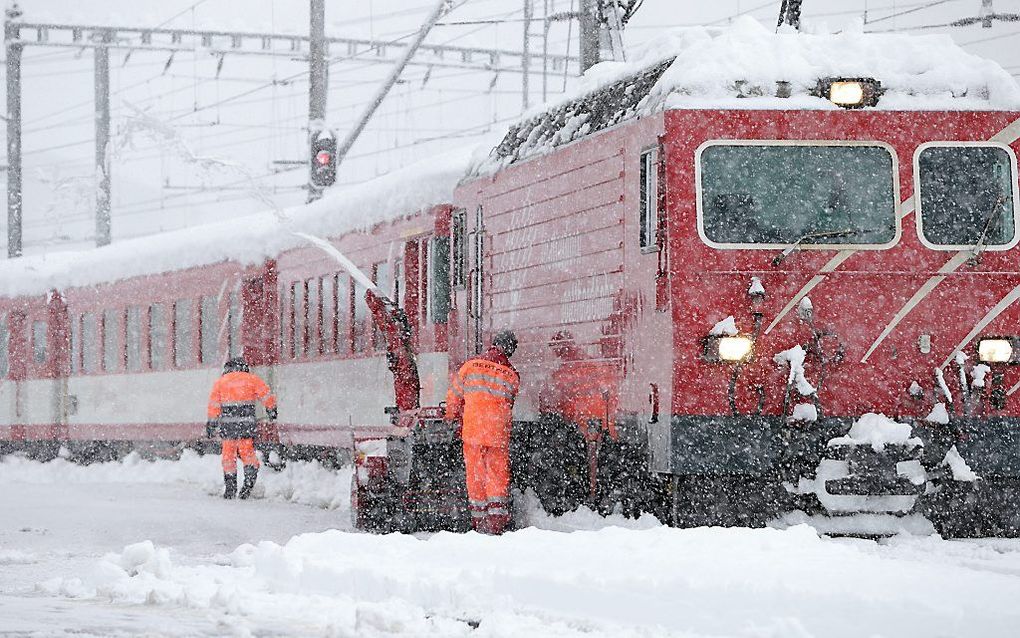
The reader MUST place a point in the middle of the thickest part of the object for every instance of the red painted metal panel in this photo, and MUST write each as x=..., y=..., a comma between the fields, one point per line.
x=854, y=303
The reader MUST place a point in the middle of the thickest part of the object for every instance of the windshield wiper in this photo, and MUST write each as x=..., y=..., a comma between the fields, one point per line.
x=993, y=216
x=828, y=234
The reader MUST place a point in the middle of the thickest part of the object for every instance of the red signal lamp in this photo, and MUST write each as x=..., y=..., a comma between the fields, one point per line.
x=323, y=158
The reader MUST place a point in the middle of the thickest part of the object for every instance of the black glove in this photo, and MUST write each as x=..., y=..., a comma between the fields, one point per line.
x=210, y=429
x=271, y=413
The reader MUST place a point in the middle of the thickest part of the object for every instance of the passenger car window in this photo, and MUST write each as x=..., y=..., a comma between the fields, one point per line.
x=134, y=339
x=111, y=340
x=184, y=349
x=209, y=329
x=757, y=195
x=75, y=344
x=967, y=195
x=157, y=336
x=39, y=341
x=439, y=280
x=89, y=343
x=328, y=286
x=235, y=325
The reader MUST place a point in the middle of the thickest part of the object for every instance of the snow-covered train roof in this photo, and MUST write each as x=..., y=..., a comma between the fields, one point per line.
x=246, y=240
x=747, y=66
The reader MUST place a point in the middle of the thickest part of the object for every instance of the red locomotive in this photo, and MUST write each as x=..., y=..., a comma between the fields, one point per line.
x=716, y=299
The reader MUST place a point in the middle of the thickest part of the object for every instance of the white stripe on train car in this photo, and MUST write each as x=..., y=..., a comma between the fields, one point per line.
x=1007, y=135
x=990, y=316
x=950, y=266
x=832, y=264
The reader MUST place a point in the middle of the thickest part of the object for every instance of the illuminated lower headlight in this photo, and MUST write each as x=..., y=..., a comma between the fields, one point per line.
x=734, y=348
x=720, y=349
x=995, y=351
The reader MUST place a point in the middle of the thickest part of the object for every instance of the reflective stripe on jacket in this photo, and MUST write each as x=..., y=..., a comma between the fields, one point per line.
x=232, y=403
x=483, y=393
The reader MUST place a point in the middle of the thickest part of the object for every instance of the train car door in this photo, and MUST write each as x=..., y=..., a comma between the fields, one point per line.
x=648, y=338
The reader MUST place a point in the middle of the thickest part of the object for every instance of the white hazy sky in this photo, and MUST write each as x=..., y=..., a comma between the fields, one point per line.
x=244, y=116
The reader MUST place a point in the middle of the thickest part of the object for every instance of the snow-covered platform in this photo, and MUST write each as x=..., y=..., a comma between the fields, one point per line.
x=146, y=548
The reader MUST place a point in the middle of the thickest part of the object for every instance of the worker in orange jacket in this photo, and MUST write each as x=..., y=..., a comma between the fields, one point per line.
x=585, y=392
x=482, y=394
x=232, y=410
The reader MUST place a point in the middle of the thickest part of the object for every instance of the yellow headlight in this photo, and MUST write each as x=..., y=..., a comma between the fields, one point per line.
x=734, y=348
x=846, y=93
x=995, y=350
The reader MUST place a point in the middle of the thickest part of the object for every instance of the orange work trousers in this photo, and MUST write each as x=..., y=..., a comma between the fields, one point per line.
x=487, y=471
x=233, y=448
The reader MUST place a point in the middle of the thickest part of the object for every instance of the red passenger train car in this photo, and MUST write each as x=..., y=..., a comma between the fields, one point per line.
x=752, y=273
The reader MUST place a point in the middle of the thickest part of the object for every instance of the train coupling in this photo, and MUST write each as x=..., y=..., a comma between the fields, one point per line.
x=875, y=472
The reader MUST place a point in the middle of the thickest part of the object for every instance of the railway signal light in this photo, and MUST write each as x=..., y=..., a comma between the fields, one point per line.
x=323, y=159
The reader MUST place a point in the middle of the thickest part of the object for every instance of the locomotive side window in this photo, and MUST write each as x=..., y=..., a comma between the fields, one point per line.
x=39, y=341
x=439, y=280
x=967, y=196
x=184, y=349
x=111, y=332
x=209, y=329
x=648, y=213
x=458, y=248
x=773, y=195
x=157, y=336
x=89, y=343
x=134, y=339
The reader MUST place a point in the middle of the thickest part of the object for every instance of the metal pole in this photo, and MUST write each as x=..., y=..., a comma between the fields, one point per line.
x=589, y=34
x=380, y=95
x=317, y=80
x=545, y=51
x=526, y=57
x=102, y=82
x=12, y=37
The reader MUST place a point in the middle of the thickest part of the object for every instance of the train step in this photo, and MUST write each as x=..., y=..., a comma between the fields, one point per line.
x=867, y=525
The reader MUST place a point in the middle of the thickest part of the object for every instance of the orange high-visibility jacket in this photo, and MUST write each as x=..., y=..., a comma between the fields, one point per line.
x=583, y=390
x=232, y=403
x=483, y=393
x=238, y=388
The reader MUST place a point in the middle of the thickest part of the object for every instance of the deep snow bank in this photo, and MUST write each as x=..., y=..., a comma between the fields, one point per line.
x=658, y=581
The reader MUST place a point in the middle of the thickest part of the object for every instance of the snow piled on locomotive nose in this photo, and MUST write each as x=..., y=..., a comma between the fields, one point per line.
x=877, y=430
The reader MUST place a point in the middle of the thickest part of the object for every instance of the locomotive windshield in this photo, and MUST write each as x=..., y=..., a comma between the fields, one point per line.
x=966, y=196
x=781, y=194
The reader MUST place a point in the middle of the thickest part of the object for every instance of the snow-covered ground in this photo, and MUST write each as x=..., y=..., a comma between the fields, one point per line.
x=148, y=548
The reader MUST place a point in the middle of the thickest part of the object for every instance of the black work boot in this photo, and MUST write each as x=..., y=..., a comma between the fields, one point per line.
x=250, y=474
x=229, y=485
